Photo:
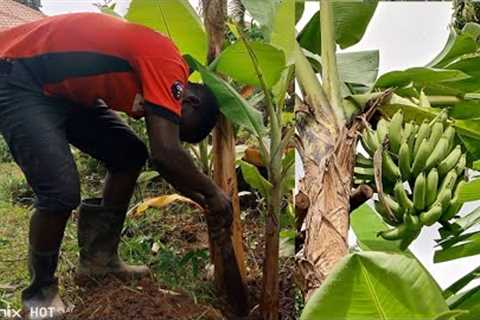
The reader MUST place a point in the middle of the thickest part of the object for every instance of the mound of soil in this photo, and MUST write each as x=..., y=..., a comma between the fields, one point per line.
x=111, y=299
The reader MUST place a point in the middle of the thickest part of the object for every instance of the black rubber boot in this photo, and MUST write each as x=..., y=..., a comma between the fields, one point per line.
x=41, y=299
x=99, y=230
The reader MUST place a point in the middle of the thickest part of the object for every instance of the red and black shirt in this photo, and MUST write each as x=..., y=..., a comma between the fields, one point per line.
x=87, y=57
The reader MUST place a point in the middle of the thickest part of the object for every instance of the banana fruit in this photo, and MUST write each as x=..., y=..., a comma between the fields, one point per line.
x=422, y=159
x=395, y=131
x=432, y=186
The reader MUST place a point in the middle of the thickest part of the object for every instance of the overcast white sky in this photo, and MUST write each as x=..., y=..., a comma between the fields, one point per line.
x=407, y=34
x=51, y=7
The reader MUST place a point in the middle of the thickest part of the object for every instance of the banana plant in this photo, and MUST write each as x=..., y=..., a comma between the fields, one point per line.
x=327, y=128
x=462, y=301
x=179, y=21
x=448, y=85
x=266, y=65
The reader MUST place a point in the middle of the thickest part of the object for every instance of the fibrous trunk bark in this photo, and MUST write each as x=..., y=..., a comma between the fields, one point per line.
x=327, y=153
x=227, y=252
x=325, y=192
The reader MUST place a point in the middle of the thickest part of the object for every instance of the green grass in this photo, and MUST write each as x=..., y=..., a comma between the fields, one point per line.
x=13, y=235
x=155, y=239
x=14, y=217
x=171, y=241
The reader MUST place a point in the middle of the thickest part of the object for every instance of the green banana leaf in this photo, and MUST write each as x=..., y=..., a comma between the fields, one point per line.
x=263, y=11
x=253, y=177
x=467, y=221
x=465, y=109
x=420, y=76
x=456, y=242
x=457, y=45
x=299, y=10
x=283, y=32
x=472, y=145
x=462, y=250
x=174, y=18
x=451, y=314
x=470, y=191
x=461, y=283
x=366, y=224
x=467, y=63
x=351, y=22
x=452, y=240
x=360, y=67
x=288, y=164
x=377, y=285
x=235, y=62
x=468, y=301
x=232, y=104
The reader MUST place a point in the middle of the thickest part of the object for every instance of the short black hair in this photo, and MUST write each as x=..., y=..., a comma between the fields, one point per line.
x=206, y=113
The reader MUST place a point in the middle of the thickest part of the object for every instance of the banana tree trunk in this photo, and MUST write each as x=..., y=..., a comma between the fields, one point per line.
x=326, y=188
x=271, y=283
x=227, y=254
x=225, y=176
x=325, y=192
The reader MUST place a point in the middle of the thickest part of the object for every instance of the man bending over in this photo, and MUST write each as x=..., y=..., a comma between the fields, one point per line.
x=61, y=78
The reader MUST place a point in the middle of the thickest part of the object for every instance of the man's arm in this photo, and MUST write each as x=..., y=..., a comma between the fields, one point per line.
x=177, y=167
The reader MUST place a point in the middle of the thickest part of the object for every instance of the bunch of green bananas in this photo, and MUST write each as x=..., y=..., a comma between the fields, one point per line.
x=422, y=159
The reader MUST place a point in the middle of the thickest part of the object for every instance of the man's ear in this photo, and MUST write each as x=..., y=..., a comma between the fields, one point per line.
x=192, y=100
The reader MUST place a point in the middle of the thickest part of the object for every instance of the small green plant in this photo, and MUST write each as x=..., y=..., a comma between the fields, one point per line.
x=14, y=187
x=5, y=155
x=176, y=269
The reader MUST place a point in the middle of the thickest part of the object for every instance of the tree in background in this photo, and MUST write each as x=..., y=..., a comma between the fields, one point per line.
x=34, y=4
x=465, y=11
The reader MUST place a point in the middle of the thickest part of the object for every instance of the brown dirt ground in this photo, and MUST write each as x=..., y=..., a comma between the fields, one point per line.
x=113, y=300
x=147, y=299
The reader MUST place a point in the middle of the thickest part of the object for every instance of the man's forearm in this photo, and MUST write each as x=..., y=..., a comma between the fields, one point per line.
x=177, y=166
x=180, y=171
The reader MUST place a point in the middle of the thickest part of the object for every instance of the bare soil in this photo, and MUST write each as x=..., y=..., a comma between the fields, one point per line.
x=148, y=299
x=113, y=300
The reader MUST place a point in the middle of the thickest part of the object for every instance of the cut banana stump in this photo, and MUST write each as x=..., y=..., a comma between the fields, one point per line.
x=422, y=169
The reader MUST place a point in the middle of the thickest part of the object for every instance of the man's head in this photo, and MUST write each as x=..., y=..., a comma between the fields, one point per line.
x=199, y=113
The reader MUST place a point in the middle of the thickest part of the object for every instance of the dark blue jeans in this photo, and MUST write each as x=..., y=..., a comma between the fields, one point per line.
x=39, y=130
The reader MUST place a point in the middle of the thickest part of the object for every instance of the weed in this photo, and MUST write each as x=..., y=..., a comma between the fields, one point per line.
x=13, y=253
x=5, y=155
x=13, y=185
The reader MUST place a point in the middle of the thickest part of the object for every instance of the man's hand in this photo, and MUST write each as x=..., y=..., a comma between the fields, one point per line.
x=177, y=167
x=220, y=207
